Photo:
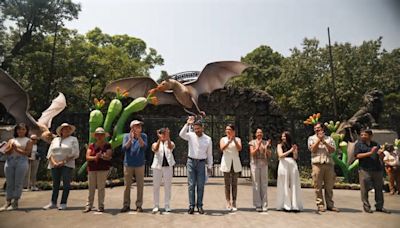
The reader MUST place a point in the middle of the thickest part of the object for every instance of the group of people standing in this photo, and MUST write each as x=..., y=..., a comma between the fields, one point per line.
x=64, y=149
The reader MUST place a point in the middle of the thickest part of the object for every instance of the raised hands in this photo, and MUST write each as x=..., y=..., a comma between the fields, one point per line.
x=190, y=120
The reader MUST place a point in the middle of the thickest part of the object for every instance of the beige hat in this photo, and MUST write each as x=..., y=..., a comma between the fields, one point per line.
x=135, y=122
x=58, y=130
x=100, y=131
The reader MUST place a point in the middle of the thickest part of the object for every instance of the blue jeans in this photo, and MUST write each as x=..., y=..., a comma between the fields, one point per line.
x=64, y=173
x=196, y=178
x=15, y=170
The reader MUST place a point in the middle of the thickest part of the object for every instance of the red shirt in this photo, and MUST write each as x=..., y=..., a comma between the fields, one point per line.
x=99, y=165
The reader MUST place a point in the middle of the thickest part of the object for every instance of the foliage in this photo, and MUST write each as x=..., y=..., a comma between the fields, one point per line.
x=83, y=66
x=32, y=19
x=302, y=82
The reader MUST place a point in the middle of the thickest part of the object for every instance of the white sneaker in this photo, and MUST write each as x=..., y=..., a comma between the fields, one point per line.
x=258, y=209
x=234, y=209
x=62, y=207
x=265, y=209
x=155, y=210
x=168, y=209
x=14, y=206
x=34, y=188
x=5, y=207
x=50, y=206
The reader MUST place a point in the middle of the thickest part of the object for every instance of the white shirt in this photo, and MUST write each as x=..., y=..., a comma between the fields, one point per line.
x=199, y=147
x=63, y=149
x=19, y=142
x=34, y=151
x=162, y=151
x=392, y=159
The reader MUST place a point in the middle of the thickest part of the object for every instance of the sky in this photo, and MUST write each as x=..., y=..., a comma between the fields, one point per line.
x=191, y=33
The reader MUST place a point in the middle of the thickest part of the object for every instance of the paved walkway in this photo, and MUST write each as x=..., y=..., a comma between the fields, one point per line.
x=31, y=215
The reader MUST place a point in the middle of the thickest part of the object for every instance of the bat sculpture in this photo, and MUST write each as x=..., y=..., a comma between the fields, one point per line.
x=16, y=102
x=212, y=77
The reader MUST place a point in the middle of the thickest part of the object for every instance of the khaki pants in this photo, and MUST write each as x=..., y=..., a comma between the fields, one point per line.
x=30, y=177
x=97, y=179
x=129, y=172
x=323, y=178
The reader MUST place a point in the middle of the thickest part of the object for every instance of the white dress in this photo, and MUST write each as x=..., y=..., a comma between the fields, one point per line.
x=288, y=186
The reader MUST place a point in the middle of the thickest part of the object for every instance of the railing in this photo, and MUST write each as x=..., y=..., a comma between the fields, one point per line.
x=179, y=170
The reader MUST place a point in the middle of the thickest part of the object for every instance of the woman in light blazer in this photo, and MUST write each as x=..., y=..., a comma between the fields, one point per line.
x=162, y=166
x=230, y=146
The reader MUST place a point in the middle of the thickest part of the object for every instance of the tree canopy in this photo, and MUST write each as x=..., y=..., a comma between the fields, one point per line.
x=302, y=82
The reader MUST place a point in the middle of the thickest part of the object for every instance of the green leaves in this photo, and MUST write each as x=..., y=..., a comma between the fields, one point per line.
x=302, y=82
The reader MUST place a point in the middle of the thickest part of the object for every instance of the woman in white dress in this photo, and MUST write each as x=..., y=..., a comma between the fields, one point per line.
x=230, y=146
x=288, y=186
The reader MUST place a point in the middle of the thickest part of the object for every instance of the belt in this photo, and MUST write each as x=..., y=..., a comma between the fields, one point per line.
x=196, y=159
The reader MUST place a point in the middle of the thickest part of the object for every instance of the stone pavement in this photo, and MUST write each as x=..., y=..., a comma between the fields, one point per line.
x=31, y=214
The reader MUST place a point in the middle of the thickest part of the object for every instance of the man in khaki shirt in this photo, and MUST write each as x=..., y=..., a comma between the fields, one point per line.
x=323, y=173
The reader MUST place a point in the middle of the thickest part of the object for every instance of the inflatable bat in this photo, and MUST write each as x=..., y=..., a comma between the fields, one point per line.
x=212, y=77
x=16, y=102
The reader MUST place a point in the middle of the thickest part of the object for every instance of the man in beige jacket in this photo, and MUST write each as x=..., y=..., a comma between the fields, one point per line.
x=323, y=173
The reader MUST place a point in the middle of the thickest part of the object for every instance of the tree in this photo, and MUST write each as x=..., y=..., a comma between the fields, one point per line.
x=164, y=75
x=78, y=58
x=302, y=82
x=265, y=66
x=34, y=18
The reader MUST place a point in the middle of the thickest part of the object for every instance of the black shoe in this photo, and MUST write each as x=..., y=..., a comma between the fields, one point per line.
x=125, y=209
x=139, y=209
x=191, y=210
x=383, y=210
x=200, y=210
x=368, y=210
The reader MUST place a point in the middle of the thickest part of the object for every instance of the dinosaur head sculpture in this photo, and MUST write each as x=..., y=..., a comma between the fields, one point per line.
x=167, y=84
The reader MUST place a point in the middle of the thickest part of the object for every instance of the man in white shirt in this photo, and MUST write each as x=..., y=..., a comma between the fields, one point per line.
x=200, y=150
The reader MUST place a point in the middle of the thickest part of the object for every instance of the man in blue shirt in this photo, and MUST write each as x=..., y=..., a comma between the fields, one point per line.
x=371, y=170
x=134, y=146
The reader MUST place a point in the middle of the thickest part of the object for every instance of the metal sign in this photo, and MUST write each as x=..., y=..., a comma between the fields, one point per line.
x=187, y=76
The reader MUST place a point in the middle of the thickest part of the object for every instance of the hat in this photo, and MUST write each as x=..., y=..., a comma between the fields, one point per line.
x=135, y=122
x=100, y=131
x=58, y=130
x=34, y=137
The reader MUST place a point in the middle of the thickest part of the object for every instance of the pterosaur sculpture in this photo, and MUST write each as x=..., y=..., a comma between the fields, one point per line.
x=212, y=77
x=16, y=102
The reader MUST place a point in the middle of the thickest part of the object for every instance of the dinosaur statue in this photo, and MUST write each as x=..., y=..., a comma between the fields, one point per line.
x=366, y=117
x=212, y=77
x=16, y=101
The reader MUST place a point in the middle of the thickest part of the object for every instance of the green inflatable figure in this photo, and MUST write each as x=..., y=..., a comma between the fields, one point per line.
x=115, y=110
x=341, y=147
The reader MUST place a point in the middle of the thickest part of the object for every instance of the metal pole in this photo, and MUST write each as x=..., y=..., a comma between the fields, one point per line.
x=333, y=76
x=52, y=62
x=90, y=89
